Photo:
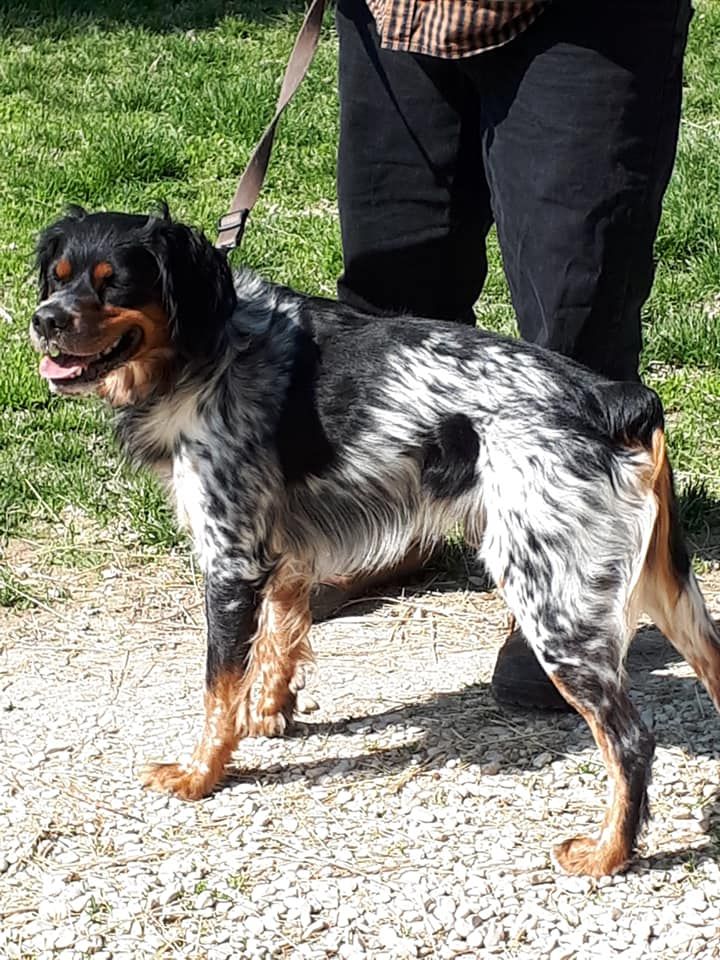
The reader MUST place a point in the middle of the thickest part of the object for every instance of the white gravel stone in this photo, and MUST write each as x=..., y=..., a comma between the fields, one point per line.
x=63, y=938
x=476, y=938
x=423, y=815
x=254, y=925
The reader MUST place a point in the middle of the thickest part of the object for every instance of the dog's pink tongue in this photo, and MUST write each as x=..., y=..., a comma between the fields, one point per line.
x=53, y=371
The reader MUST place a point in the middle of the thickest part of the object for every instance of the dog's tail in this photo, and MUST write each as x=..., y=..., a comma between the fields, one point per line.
x=667, y=589
x=629, y=411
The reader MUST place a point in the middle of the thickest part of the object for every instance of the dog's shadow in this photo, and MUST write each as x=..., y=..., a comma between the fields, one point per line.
x=469, y=726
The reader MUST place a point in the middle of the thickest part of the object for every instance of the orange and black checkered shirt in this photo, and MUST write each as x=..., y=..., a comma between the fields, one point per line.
x=451, y=28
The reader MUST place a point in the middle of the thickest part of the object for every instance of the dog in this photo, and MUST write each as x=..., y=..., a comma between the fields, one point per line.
x=305, y=441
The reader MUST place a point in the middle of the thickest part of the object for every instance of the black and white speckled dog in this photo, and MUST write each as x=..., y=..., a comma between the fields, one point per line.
x=305, y=441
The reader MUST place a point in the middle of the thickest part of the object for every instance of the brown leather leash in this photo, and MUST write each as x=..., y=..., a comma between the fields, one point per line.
x=232, y=225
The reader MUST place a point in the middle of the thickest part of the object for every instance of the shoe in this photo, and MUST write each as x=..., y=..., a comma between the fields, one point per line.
x=520, y=681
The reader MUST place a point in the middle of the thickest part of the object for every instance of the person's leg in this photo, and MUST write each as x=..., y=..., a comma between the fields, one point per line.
x=581, y=119
x=414, y=204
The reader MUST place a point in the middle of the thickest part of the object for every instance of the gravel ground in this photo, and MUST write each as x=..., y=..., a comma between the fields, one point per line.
x=408, y=816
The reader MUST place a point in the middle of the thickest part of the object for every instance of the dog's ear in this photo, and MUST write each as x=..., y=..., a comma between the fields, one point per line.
x=46, y=250
x=50, y=243
x=196, y=286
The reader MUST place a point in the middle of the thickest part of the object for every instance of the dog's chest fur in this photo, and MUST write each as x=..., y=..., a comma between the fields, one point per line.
x=172, y=438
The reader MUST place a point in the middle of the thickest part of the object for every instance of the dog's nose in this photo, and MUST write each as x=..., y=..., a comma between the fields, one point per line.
x=49, y=319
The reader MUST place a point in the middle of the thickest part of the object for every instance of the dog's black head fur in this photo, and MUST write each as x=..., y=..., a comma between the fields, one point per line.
x=92, y=265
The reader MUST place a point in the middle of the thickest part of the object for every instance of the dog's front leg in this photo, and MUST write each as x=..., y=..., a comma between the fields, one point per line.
x=231, y=606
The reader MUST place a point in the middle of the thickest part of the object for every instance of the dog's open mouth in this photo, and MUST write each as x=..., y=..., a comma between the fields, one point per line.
x=67, y=371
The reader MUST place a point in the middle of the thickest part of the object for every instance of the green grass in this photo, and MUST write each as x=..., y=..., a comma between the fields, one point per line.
x=120, y=105
x=164, y=102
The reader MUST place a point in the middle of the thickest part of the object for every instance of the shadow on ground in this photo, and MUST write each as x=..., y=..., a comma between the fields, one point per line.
x=469, y=726
x=690, y=857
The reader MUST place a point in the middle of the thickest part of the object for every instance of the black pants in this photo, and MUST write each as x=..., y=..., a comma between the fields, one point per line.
x=565, y=138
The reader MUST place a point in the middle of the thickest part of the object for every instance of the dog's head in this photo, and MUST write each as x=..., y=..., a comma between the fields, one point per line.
x=125, y=302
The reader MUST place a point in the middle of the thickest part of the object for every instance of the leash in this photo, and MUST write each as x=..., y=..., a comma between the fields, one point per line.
x=232, y=226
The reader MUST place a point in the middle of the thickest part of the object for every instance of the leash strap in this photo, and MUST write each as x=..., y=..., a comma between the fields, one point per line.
x=232, y=225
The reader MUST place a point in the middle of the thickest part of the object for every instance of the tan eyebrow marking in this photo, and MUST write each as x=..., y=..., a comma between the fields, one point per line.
x=63, y=269
x=101, y=271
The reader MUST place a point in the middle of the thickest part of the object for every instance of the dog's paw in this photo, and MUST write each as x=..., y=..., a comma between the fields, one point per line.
x=186, y=781
x=269, y=716
x=272, y=725
x=583, y=856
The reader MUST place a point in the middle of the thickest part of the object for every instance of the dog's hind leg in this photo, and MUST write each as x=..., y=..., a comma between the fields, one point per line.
x=667, y=589
x=589, y=675
x=567, y=586
x=627, y=749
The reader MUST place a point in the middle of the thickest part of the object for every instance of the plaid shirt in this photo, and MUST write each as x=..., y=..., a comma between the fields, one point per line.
x=451, y=28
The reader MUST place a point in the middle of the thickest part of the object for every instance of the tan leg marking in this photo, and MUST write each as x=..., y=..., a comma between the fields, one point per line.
x=279, y=651
x=203, y=771
x=257, y=703
x=612, y=850
x=674, y=602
